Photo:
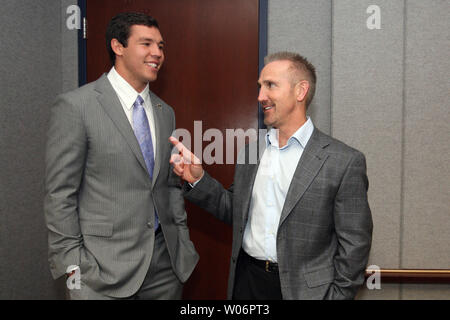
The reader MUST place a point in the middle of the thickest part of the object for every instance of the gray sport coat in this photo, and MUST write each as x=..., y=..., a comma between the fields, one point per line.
x=100, y=201
x=325, y=230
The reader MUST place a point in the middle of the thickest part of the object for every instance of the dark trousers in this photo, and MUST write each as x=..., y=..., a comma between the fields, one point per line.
x=253, y=282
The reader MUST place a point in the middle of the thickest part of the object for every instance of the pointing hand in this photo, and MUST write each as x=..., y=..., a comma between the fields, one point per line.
x=186, y=164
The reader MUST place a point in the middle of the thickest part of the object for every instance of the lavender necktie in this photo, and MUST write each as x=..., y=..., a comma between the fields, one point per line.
x=142, y=131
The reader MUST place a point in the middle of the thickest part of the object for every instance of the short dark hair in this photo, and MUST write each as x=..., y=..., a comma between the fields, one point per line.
x=119, y=28
x=299, y=64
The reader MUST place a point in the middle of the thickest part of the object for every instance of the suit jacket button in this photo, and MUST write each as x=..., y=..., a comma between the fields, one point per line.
x=150, y=225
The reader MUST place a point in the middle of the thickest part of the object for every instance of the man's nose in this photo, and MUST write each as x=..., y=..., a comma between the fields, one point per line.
x=156, y=51
x=262, y=95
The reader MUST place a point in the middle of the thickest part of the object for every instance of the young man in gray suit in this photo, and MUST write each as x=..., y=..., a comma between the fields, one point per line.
x=302, y=225
x=114, y=209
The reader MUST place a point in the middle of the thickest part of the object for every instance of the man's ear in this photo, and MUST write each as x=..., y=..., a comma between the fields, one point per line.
x=117, y=47
x=301, y=90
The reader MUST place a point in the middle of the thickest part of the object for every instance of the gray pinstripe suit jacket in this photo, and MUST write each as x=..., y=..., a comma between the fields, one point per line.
x=100, y=201
x=325, y=230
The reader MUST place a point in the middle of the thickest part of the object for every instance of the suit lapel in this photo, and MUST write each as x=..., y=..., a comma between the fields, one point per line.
x=158, y=118
x=111, y=104
x=250, y=175
x=312, y=159
x=246, y=196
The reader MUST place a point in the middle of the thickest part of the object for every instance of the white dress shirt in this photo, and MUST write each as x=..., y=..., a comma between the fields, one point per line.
x=274, y=176
x=127, y=96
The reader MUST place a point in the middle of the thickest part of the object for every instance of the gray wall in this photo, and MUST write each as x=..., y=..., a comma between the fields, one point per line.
x=38, y=61
x=386, y=93
x=305, y=27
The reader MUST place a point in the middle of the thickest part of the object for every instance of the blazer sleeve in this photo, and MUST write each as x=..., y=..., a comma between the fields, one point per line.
x=176, y=198
x=353, y=225
x=65, y=160
x=211, y=196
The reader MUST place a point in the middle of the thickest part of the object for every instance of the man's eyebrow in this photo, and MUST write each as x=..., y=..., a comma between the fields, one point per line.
x=260, y=83
x=151, y=40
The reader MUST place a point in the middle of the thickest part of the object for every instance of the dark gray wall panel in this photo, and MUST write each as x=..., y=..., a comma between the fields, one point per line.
x=30, y=55
x=69, y=51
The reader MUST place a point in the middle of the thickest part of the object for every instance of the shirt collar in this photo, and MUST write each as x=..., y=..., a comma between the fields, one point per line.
x=125, y=91
x=300, y=136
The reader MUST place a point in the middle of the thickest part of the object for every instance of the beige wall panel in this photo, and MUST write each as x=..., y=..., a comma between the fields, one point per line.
x=367, y=87
x=425, y=291
x=426, y=235
x=388, y=291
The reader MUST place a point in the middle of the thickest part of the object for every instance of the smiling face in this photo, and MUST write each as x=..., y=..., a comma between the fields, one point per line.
x=139, y=62
x=282, y=98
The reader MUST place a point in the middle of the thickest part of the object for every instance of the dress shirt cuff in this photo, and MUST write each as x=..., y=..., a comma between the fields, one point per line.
x=195, y=183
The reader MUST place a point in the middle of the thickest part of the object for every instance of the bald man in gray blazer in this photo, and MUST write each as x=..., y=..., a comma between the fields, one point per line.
x=113, y=207
x=302, y=226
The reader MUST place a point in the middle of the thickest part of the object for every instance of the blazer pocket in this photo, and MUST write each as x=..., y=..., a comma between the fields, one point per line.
x=319, y=277
x=99, y=229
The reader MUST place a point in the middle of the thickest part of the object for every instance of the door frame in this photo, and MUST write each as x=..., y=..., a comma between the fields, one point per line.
x=82, y=52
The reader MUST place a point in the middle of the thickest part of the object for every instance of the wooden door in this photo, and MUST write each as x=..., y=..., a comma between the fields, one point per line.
x=210, y=74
